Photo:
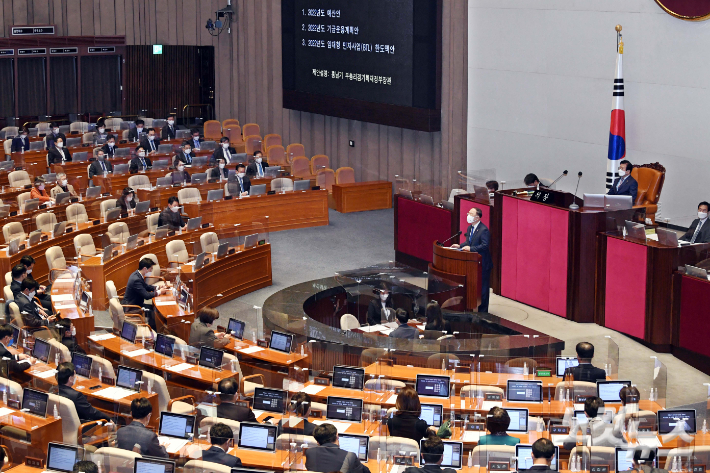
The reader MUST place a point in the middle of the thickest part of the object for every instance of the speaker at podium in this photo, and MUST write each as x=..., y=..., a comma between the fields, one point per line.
x=464, y=267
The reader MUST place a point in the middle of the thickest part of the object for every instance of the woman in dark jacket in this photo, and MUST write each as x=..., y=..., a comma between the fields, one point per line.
x=300, y=407
x=374, y=310
x=406, y=422
x=127, y=200
x=435, y=319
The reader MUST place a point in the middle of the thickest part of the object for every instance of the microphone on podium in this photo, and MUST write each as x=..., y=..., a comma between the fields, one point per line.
x=561, y=176
x=574, y=205
x=451, y=238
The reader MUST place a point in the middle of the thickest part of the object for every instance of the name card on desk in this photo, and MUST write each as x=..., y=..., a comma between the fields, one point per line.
x=497, y=397
x=192, y=359
x=498, y=466
x=321, y=381
x=13, y=403
x=696, y=469
x=559, y=430
x=405, y=460
x=262, y=343
x=108, y=381
x=34, y=462
x=603, y=469
x=580, y=398
x=544, y=373
x=475, y=426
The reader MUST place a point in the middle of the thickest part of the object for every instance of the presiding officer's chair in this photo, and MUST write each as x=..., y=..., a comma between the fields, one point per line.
x=650, y=178
x=345, y=175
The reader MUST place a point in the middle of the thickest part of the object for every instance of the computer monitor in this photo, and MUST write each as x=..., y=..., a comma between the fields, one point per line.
x=608, y=391
x=348, y=377
x=668, y=419
x=453, y=454
x=164, y=182
x=524, y=461
x=432, y=385
x=184, y=295
x=129, y=332
x=357, y=444
x=594, y=200
x=120, y=169
x=82, y=364
x=565, y=361
x=524, y=391
x=176, y=425
x=84, y=301
x=281, y=341
x=268, y=399
x=15, y=335
x=93, y=192
x=258, y=189
x=200, y=260
x=624, y=458
x=41, y=350
x=194, y=223
x=153, y=465
x=432, y=414
x=211, y=357
x=222, y=250
x=61, y=457
x=199, y=178
x=250, y=241
x=142, y=207
x=344, y=408
x=236, y=328
x=214, y=194
x=35, y=402
x=518, y=419
x=62, y=197
x=618, y=202
x=257, y=436
x=129, y=378
x=164, y=345
x=303, y=185
x=132, y=242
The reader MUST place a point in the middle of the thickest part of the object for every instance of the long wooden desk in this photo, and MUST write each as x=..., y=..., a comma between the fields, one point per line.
x=284, y=211
x=34, y=432
x=93, y=210
x=361, y=196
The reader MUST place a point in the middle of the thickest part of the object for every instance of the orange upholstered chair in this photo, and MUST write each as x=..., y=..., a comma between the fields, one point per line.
x=325, y=178
x=230, y=122
x=270, y=140
x=650, y=178
x=301, y=167
x=319, y=161
x=345, y=176
x=234, y=133
x=276, y=155
x=295, y=150
x=250, y=129
x=253, y=143
x=213, y=130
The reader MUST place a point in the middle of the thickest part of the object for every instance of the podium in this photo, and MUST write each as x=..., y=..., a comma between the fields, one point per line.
x=464, y=267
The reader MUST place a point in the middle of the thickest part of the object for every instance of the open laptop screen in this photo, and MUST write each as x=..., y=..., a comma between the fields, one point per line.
x=35, y=402
x=523, y=455
x=669, y=419
x=272, y=400
x=431, y=385
x=41, y=350
x=518, y=420
x=432, y=414
x=62, y=457
x=565, y=361
x=82, y=364
x=344, y=408
x=236, y=328
x=524, y=391
x=153, y=465
x=358, y=444
x=176, y=425
x=608, y=391
x=129, y=378
x=211, y=357
x=257, y=436
x=348, y=377
x=281, y=341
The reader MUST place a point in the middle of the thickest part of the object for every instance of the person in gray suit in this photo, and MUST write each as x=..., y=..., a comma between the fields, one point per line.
x=602, y=433
x=404, y=330
x=202, y=333
x=136, y=436
x=433, y=454
x=328, y=456
x=699, y=231
x=222, y=439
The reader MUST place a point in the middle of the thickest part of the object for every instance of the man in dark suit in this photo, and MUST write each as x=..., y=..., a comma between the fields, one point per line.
x=134, y=134
x=16, y=363
x=256, y=169
x=185, y=155
x=195, y=141
x=543, y=450
x=699, y=231
x=101, y=165
x=151, y=142
x=219, y=170
x=43, y=292
x=433, y=454
x=585, y=371
x=222, y=439
x=168, y=131
x=32, y=314
x=223, y=151
x=625, y=184
x=137, y=290
x=109, y=148
x=376, y=307
x=171, y=215
x=18, y=273
x=58, y=154
x=404, y=330
x=66, y=376
x=477, y=240
x=241, y=182
x=227, y=409
x=137, y=435
x=141, y=162
x=22, y=142
x=328, y=456
x=601, y=432
x=53, y=135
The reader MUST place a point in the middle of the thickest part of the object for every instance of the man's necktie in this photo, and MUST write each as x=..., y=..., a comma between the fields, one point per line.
x=143, y=163
x=152, y=146
x=228, y=155
x=697, y=230
x=103, y=165
x=197, y=144
x=240, y=184
x=261, y=171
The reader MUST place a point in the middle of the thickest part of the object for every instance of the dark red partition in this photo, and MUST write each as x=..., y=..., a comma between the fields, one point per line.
x=417, y=226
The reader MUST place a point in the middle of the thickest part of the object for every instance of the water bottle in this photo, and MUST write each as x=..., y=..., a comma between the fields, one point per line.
x=302, y=351
x=4, y=395
x=56, y=412
x=150, y=386
x=470, y=459
x=98, y=466
x=56, y=359
x=704, y=429
x=539, y=427
x=100, y=373
x=443, y=366
x=526, y=370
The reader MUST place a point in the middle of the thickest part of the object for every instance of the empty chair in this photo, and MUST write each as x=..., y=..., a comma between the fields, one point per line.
x=392, y=444
x=118, y=314
x=55, y=259
x=76, y=213
x=517, y=365
x=116, y=459
x=84, y=245
x=88, y=137
x=252, y=143
x=250, y=129
x=599, y=455
x=111, y=291
x=271, y=140
x=139, y=181
x=152, y=222
x=201, y=466
x=482, y=454
x=212, y=130
x=230, y=122
x=177, y=252
x=295, y=150
x=209, y=242
x=247, y=384
x=382, y=384
x=45, y=222
x=318, y=162
x=479, y=390
x=234, y=133
x=7, y=146
x=578, y=387
x=107, y=205
x=283, y=441
x=118, y=232
x=301, y=167
x=19, y=178
x=21, y=198
x=70, y=419
x=78, y=128
x=13, y=231
x=281, y=184
x=10, y=131
x=325, y=178
x=349, y=322
x=188, y=195
x=276, y=155
x=434, y=361
x=345, y=175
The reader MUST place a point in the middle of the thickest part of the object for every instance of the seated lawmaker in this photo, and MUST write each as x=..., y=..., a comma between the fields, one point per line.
x=127, y=201
x=171, y=215
x=328, y=456
x=256, y=169
x=180, y=174
x=134, y=134
x=625, y=184
x=222, y=439
x=202, y=333
x=43, y=292
x=33, y=315
x=241, y=179
x=585, y=371
x=63, y=186
x=435, y=319
x=101, y=133
x=195, y=141
x=140, y=163
x=53, y=135
x=492, y=186
x=223, y=151
x=699, y=231
x=220, y=170
x=58, y=155
x=531, y=180
x=299, y=408
x=137, y=435
x=39, y=192
x=377, y=306
x=138, y=291
x=497, y=423
x=151, y=142
x=543, y=451
x=405, y=422
x=185, y=155
x=168, y=131
x=404, y=330
x=109, y=148
x=101, y=165
x=433, y=454
x=22, y=142
x=85, y=466
x=602, y=433
x=630, y=397
x=66, y=377
x=227, y=409
x=17, y=363
x=18, y=273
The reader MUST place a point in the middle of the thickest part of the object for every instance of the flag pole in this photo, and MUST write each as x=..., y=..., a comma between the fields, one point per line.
x=617, y=129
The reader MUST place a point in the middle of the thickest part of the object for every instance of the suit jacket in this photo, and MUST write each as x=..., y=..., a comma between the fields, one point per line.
x=137, y=290
x=229, y=410
x=214, y=173
x=603, y=435
x=15, y=365
x=215, y=454
x=135, y=165
x=30, y=311
x=19, y=145
x=168, y=133
x=303, y=428
x=96, y=170
x=407, y=425
x=121, y=202
x=405, y=331
x=703, y=234
x=252, y=170
x=84, y=410
x=146, y=144
x=429, y=469
x=54, y=157
x=185, y=158
x=133, y=133
x=374, y=310
x=219, y=152
x=168, y=217
x=137, y=433
x=537, y=469
x=203, y=335
x=503, y=439
x=51, y=138
x=39, y=194
x=245, y=183
x=109, y=151
x=628, y=187
x=197, y=145
x=587, y=372
x=59, y=189
x=330, y=457
x=479, y=242
x=15, y=287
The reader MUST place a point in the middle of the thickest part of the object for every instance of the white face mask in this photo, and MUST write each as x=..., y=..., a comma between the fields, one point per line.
x=60, y=145
x=141, y=154
x=129, y=198
x=181, y=168
x=225, y=145
x=469, y=218
x=56, y=131
x=622, y=173
x=29, y=271
x=241, y=174
x=32, y=294
x=175, y=209
x=258, y=160
x=188, y=151
x=63, y=182
x=384, y=296
x=702, y=215
x=24, y=135
x=151, y=137
x=170, y=122
x=111, y=145
x=41, y=187
x=139, y=129
x=101, y=130
x=221, y=165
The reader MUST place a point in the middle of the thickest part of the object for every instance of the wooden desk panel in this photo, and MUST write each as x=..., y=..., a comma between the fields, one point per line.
x=39, y=432
x=83, y=321
x=362, y=196
x=34, y=162
x=285, y=211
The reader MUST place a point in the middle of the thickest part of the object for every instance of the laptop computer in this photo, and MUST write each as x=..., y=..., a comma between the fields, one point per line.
x=618, y=202
x=175, y=425
x=215, y=194
x=82, y=364
x=250, y=241
x=132, y=242
x=62, y=197
x=524, y=391
x=696, y=272
x=624, y=458
x=120, y=169
x=281, y=341
x=194, y=223
x=236, y=328
x=59, y=228
x=272, y=171
x=129, y=378
x=608, y=391
x=349, y=377
x=41, y=350
x=594, y=200
x=669, y=420
x=257, y=190
x=164, y=181
x=667, y=237
x=453, y=454
x=93, y=192
x=200, y=260
x=432, y=414
x=34, y=237
x=261, y=437
x=153, y=465
x=563, y=362
x=518, y=419
x=211, y=358
x=433, y=385
x=129, y=332
x=62, y=457
x=108, y=252
x=222, y=250
x=302, y=185
x=269, y=399
x=35, y=402
x=161, y=232
x=113, y=214
x=164, y=345
x=30, y=205
x=199, y=178
x=357, y=444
